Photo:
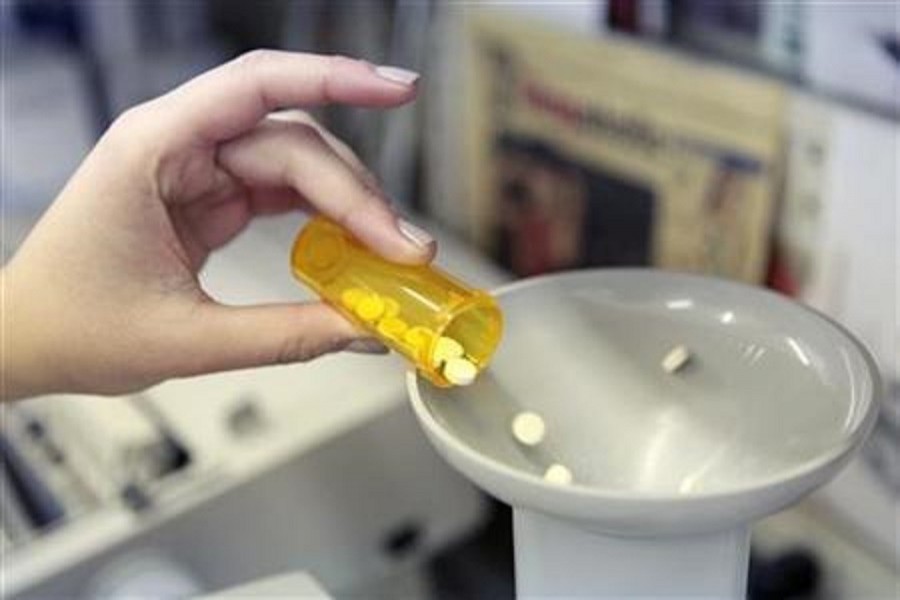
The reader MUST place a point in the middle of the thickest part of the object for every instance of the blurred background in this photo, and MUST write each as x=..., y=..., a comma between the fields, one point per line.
x=751, y=140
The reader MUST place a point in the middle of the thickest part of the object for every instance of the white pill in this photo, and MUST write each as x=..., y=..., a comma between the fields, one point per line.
x=529, y=428
x=676, y=359
x=446, y=348
x=460, y=371
x=557, y=473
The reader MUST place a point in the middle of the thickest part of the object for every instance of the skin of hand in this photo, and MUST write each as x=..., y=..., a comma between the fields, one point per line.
x=103, y=296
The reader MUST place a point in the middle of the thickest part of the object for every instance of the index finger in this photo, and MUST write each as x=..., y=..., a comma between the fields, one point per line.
x=230, y=99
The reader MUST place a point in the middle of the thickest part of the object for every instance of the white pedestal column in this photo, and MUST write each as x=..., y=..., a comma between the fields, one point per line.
x=555, y=559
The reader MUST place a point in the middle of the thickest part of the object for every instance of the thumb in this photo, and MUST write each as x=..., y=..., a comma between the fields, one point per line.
x=241, y=337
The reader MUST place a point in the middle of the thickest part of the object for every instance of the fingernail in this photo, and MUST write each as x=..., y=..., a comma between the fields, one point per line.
x=397, y=75
x=415, y=234
x=366, y=346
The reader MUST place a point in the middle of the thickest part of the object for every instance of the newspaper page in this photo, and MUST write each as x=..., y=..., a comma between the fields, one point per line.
x=597, y=152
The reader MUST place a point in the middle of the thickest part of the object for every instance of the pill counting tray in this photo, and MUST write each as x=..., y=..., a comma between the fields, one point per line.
x=772, y=401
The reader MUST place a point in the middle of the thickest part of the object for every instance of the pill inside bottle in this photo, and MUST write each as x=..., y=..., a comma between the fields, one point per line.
x=446, y=348
x=446, y=328
x=460, y=371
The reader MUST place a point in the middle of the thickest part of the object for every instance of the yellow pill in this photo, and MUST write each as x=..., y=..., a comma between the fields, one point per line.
x=351, y=297
x=419, y=338
x=444, y=349
x=392, y=327
x=391, y=307
x=369, y=308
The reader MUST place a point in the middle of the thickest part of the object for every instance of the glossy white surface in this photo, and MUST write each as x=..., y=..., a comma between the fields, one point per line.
x=293, y=585
x=556, y=560
x=772, y=402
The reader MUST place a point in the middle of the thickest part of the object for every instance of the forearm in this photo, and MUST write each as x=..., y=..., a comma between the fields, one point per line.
x=26, y=369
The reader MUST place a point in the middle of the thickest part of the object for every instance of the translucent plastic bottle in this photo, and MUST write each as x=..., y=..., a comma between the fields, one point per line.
x=408, y=307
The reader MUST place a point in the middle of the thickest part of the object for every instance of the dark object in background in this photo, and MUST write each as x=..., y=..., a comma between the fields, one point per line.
x=481, y=566
x=245, y=26
x=56, y=20
x=891, y=45
x=34, y=498
x=403, y=539
x=738, y=18
x=623, y=15
x=556, y=213
x=135, y=498
x=174, y=455
x=619, y=225
x=64, y=21
x=793, y=574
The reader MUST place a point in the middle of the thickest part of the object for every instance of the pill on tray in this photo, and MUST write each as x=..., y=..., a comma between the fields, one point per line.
x=676, y=359
x=460, y=371
x=351, y=297
x=528, y=428
x=369, y=307
x=559, y=474
x=446, y=348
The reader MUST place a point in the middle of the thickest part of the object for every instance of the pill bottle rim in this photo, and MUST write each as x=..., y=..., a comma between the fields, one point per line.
x=477, y=300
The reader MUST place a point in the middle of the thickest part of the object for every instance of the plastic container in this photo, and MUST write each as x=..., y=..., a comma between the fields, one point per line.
x=408, y=307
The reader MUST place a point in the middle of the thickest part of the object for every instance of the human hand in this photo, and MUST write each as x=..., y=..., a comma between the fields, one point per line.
x=103, y=295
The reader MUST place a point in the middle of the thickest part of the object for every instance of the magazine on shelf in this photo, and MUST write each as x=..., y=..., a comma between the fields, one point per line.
x=597, y=152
